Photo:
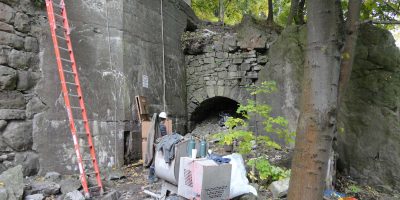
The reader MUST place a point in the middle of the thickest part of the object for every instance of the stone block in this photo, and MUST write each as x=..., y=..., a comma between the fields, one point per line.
x=34, y=197
x=206, y=78
x=6, y=27
x=22, y=22
x=12, y=100
x=12, y=40
x=31, y=44
x=74, y=195
x=18, y=135
x=245, y=67
x=233, y=68
x=222, y=75
x=69, y=185
x=8, y=78
x=262, y=59
x=209, y=60
x=220, y=82
x=257, y=67
x=34, y=106
x=219, y=69
x=210, y=91
x=237, y=60
x=208, y=48
x=29, y=162
x=211, y=82
x=6, y=13
x=45, y=188
x=53, y=177
x=27, y=80
x=233, y=75
x=250, y=60
x=252, y=75
x=208, y=55
x=230, y=43
x=8, y=114
x=221, y=55
x=3, y=124
x=113, y=195
x=279, y=188
x=12, y=180
x=19, y=59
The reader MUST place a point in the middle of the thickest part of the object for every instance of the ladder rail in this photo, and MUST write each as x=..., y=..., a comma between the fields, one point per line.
x=66, y=31
x=79, y=90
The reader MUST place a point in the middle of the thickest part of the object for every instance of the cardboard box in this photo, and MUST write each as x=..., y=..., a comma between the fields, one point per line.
x=203, y=179
x=145, y=128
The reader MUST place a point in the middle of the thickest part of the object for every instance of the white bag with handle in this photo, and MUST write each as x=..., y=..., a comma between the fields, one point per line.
x=239, y=183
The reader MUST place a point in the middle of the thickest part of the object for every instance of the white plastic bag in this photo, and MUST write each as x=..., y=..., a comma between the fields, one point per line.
x=239, y=183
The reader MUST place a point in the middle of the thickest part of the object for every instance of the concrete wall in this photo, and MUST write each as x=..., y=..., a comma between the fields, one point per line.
x=116, y=43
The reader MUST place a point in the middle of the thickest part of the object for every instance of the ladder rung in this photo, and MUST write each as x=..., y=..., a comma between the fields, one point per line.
x=76, y=107
x=58, y=6
x=69, y=72
x=62, y=48
x=69, y=83
x=74, y=95
x=87, y=159
x=66, y=60
x=90, y=173
x=63, y=38
x=57, y=15
x=86, y=146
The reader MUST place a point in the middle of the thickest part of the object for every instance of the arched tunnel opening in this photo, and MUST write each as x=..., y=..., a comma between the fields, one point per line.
x=207, y=115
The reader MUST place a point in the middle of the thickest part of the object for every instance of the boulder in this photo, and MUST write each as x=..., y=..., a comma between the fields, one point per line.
x=11, y=39
x=13, y=182
x=113, y=195
x=8, y=114
x=74, y=195
x=3, y=124
x=46, y=188
x=22, y=22
x=27, y=80
x=69, y=185
x=18, y=135
x=29, y=162
x=279, y=188
x=34, y=197
x=35, y=105
x=6, y=13
x=3, y=193
x=31, y=44
x=8, y=78
x=19, y=59
x=53, y=177
x=12, y=100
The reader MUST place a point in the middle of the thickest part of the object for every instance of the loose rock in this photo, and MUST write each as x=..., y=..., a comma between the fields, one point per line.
x=74, y=195
x=13, y=180
x=279, y=188
x=34, y=197
x=69, y=185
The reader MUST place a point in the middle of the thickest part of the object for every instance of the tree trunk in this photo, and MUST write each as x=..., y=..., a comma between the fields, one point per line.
x=221, y=11
x=294, y=6
x=319, y=101
x=270, y=18
x=352, y=24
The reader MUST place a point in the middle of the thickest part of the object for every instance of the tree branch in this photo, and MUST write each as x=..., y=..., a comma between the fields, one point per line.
x=381, y=22
x=390, y=6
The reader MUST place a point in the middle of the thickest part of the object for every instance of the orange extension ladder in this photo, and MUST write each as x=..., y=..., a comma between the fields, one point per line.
x=71, y=89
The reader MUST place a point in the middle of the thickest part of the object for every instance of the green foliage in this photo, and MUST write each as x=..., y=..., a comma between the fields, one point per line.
x=235, y=9
x=39, y=3
x=238, y=130
x=378, y=10
x=353, y=189
x=267, y=172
